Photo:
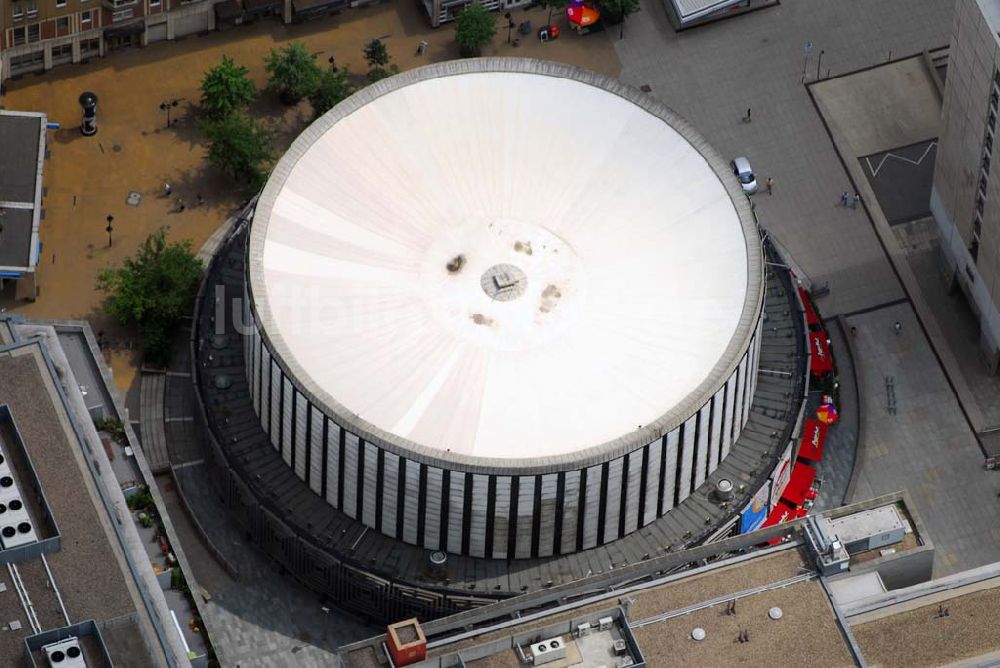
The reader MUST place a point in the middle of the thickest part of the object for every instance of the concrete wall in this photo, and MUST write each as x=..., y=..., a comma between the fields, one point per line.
x=968, y=132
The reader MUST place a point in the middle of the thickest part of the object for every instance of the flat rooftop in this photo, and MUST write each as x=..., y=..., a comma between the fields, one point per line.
x=22, y=136
x=731, y=600
x=90, y=570
x=943, y=626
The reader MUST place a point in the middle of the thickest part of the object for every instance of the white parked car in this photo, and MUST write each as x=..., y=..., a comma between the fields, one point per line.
x=741, y=168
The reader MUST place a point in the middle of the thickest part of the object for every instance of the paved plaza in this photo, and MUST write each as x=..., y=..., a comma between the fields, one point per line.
x=756, y=61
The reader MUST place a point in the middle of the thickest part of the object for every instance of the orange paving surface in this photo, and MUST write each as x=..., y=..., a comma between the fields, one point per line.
x=89, y=178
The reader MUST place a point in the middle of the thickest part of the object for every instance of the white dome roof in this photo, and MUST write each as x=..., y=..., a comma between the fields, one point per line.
x=500, y=264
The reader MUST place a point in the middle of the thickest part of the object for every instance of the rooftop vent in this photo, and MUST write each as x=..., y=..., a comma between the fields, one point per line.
x=724, y=490
x=65, y=654
x=547, y=651
x=15, y=532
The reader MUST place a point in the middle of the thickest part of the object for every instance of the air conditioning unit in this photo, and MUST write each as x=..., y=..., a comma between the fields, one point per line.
x=583, y=630
x=65, y=654
x=17, y=534
x=12, y=511
x=549, y=650
x=7, y=484
x=605, y=623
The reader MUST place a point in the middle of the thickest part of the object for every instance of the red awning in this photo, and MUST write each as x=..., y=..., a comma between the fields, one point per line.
x=820, y=363
x=802, y=479
x=813, y=435
x=782, y=512
x=811, y=318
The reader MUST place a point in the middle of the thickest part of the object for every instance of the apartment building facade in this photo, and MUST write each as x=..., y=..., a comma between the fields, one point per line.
x=37, y=35
x=965, y=198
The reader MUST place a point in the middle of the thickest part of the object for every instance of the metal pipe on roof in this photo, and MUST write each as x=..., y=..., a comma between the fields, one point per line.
x=55, y=588
x=22, y=593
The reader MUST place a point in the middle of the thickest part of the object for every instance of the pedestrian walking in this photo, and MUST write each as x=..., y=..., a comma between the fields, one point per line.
x=770, y=185
x=845, y=198
x=201, y=200
x=898, y=327
x=855, y=201
x=180, y=205
x=746, y=119
x=854, y=330
x=167, y=189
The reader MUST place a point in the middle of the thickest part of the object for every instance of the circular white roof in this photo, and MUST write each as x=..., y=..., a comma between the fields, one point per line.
x=500, y=264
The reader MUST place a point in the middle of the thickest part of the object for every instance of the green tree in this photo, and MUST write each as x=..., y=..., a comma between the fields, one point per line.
x=377, y=56
x=293, y=72
x=153, y=291
x=226, y=88
x=334, y=86
x=239, y=147
x=616, y=11
x=474, y=29
x=552, y=5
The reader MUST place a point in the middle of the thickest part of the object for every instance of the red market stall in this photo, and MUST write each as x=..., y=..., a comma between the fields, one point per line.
x=820, y=361
x=813, y=436
x=583, y=17
x=798, y=486
x=812, y=319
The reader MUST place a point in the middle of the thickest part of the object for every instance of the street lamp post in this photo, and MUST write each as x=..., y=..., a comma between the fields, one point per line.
x=819, y=63
x=167, y=105
x=510, y=25
x=109, y=229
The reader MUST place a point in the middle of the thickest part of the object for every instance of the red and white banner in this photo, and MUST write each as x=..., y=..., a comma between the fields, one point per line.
x=820, y=363
x=813, y=436
x=780, y=476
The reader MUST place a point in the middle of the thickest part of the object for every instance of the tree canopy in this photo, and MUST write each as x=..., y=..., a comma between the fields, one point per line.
x=474, y=29
x=153, y=291
x=240, y=147
x=334, y=86
x=377, y=56
x=616, y=11
x=226, y=88
x=294, y=72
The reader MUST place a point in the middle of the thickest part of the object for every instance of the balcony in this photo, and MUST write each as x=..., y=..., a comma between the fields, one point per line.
x=116, y=5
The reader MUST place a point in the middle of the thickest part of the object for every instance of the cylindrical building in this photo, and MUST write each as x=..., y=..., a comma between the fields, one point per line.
x=503, y=307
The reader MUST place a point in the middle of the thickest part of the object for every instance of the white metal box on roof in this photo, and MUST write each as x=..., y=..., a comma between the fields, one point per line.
x=870, y=529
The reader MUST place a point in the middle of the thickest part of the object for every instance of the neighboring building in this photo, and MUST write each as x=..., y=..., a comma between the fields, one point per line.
x=965, y=199
x=37, y=35
x=442, y=11
x=80, y=563
x=689, y=13
x=735, y=603
x=22, y=161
